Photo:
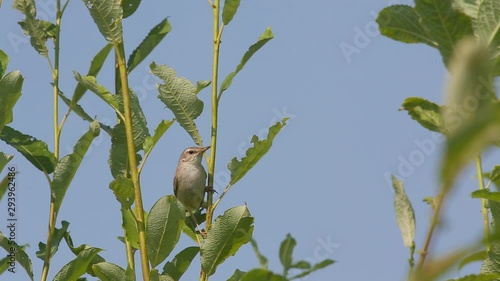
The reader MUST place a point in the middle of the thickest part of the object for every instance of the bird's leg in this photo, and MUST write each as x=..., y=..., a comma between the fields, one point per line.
x=203, y=233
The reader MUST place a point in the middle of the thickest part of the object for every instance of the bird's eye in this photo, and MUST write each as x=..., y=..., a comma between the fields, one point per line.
x=191, y=151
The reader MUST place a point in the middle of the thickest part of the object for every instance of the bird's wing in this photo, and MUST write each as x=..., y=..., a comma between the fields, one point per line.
x=175, y=186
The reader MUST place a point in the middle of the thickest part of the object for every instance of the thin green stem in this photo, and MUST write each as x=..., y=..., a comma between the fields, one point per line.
x=434, y=222
x=215, y=105
x=217, y=33
x=120, y=52
x=55, y=77
x=484, y=209
x=50, y=234
x=221, y=196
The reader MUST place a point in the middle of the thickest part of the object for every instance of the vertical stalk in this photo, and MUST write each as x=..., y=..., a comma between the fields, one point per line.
x=430, y=232
x=215, y=105
x=120, y=51
x=52, y=224
x=57, y=134
x=484, y=209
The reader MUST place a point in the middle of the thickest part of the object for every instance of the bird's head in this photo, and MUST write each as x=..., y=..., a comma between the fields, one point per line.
x=193, y=154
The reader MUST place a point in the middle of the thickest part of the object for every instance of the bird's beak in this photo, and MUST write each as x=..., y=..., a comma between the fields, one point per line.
x=203, y=149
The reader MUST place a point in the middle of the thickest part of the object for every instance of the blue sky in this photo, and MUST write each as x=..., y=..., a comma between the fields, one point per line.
x=323, y=181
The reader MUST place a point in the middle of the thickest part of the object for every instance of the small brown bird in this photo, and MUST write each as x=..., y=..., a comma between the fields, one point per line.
x=190, y=179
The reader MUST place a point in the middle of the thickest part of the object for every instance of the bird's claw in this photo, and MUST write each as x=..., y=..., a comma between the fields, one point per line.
x=210, y=189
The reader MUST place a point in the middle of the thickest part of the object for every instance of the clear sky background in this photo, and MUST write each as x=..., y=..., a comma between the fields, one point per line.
x=325, y=178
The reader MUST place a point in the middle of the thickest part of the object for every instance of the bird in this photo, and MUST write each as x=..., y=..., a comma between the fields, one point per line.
x=190, y=180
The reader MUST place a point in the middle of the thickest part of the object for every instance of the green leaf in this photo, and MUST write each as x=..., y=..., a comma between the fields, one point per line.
x=20, y=255
x=301, y=265
x=10, y=91
x=56, y=240
x=263, y=39
x=179, y=95
x=4, y=184
x=189, y=227
x=405, y=215
x=4, y=62
x=486, y=194
x=471, y=84
x=118, y=160
x=239, y=168
x=468, y=7
x=315, y=267
x=94, y=69
x=262, y=259
x=487, y=24
x=472, y=128
x=286, y=251
x=477, y=256
x=139, y=123
x=155, y=276
x=38, y=30
x=261, y=275
x=495, y=215
x=4, y=264
x=35, y=151
x=4, y=160
x=492, y=262
x=68, y=165
x=228, y=233
x=78, y=250
x=401, y=23
x=129, y=225
x=468, y=143
x=433, y=22
x=229, y=10
x=443, y=24
x=200, y=85
x=80, y=112
x=163, y=229
x=147, y=45
x=26, y=7
x=494, y=176
x=478, y=277
x=108, y=17
x=123, y=188
x=237, y=275
x=78, y=266
x=160, y=130
x=90, y=83
x=181, y=262
x=129, y=7
x=426, y=113
x=129, y=274
x=107, y=271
